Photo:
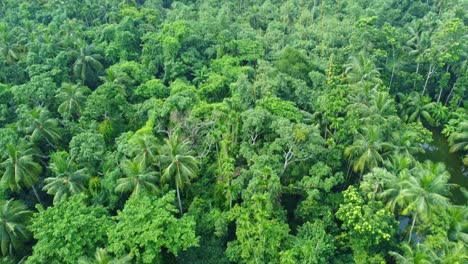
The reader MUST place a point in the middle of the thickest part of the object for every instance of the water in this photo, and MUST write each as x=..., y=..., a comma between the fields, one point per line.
x=438, y=151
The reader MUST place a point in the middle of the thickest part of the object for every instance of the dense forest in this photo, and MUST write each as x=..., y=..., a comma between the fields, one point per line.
x=234, y=131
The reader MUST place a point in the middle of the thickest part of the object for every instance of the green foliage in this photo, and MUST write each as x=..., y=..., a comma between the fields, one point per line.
x=14, y=217
x=258, y=113
x=68, y=230
x=260, y=237
x=147, y=228
x=367, y=224
x=87, y=148
x=67, y=179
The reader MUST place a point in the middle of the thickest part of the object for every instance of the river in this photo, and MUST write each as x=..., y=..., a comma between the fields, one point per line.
x=438, y=151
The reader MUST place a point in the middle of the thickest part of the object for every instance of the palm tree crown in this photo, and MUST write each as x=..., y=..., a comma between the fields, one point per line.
x=14, y=217
x=139, y=178
x=67, y=180
x=181, y=165
x=20, y=167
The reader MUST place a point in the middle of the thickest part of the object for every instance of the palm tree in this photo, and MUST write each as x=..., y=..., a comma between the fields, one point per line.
x=14, y=217
x=377, y=181
x=457, y=223
x=20, y=168
x=38, y=125
x=143, y=147
x=67, y=180
x=418, y=44
x=414, y=107
x=380, y=107
x=424, y=191
x=102, y=257
x=459, y=140
x=86, y=62
x=139, y=178
x=362, y=72
x=453, y=253
x=419, y=255
x=181, y=165
x=367, y=150
x=9, y=50
x=73, y=98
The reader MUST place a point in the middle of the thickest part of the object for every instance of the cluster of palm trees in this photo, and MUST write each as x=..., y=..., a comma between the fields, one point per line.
x=177, y=160
x=22, y=168
x=419, y=193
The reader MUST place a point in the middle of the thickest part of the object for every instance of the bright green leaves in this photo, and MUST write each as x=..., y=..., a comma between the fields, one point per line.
x=67, y=231
x=147, y=228
x=368, y=226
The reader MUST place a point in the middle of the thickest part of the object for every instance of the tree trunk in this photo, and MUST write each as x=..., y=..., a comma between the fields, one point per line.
x=36, y=194
x=450, y=94
x=178, y=197
x=429, y=74
x=313, y=11
x=393, y=68
x=417, y=71
x=412, y=226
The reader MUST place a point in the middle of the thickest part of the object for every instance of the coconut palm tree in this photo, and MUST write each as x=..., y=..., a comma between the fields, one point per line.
x=457, y=223
x=424, y=191
x=38, y=125
x=368, y=149
x=20, y=168
x=14, y=217
x=421, y=254
x=415, y=107
x=459, y=140
x=378, y=180
x=72, y=98
x=143, y=147
x=362, y=72
x=103, y=257
x=67, y=180
x=181, y=166
x=86, y=62
x=138, y=178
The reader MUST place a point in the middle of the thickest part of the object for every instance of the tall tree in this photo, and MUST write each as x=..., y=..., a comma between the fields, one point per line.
x=180, y=165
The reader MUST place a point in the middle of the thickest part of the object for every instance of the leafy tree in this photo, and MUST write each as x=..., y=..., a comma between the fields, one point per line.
x=180, y=165
x=14, y=217
x=260, y=236
x=67, y=180
x=366, y=223
x=311, y=245
x=148, y=229
x=68, y=230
